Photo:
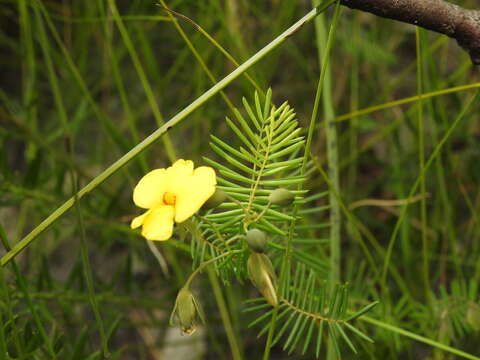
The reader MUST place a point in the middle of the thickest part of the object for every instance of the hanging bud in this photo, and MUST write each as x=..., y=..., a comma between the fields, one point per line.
x=185, y=311
x=216, y=199
x=262, y=275
x=281, y=197
x=256, y=240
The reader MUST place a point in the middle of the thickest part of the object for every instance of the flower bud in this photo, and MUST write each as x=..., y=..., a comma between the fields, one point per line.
x=262, y=275
x=216, y=199
x=186, y=310
x=256, y=240
x=281, y=197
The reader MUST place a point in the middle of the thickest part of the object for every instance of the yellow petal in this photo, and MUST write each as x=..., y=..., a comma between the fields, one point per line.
x=178, y=174
x=158, y=224
x=193, y=192
x=150, y=189
x=138, y=221
x=183, y=165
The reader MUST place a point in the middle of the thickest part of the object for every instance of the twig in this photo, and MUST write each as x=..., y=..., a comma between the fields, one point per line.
x=387, y=203
x=441, y=16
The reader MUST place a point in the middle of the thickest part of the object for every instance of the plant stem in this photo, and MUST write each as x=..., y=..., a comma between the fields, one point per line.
x=222, y=306
x=209, y=38
x=224, y=314
x=143, y=78
x=208, y=262
x=311, y=128
x=331, y=139
x=407, y=100
x=195, y=53
x=433, y=156
x=34, y=309
x=421, y=161
x=323, y=47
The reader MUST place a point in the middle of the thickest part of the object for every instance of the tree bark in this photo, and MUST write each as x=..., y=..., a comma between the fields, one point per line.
x=438, y=15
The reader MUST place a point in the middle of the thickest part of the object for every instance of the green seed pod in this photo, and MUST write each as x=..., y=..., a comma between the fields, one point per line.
x=262, y=275
x=256, y=240
x=216, y=199
x=281, y=197
x=185, y=311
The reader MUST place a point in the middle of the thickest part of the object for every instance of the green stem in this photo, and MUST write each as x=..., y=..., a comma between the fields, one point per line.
x=195, y=53
x=323, y=72
x=423, y=171
x=311, y=128
x=407, y=100
x=112, y=169
x=324, y=47
x=87, y=273
x=213, y=41
x=224, y=314
x=143, y=77
x=222, y=306
x=69, y=138
x=421, y=160
x=34, y=308
x=109, y=126
x=265, y=209
x=208, y=262
x=130, y=115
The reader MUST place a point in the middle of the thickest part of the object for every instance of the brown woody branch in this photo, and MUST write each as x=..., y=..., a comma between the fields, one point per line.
x=437, y=15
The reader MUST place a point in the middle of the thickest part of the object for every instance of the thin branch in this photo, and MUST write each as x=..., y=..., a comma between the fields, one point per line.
x=443, y=17
x=387, y=203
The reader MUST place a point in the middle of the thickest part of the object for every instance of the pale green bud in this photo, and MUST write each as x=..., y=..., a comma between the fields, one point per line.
x=216, y=199
x=262, y=275
x=185, y=311
x=281, y=197
x=256, y=240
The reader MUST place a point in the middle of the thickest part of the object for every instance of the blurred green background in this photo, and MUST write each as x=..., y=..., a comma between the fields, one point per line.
x=80, y=86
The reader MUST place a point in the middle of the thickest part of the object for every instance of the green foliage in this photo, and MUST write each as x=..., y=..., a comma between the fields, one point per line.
x=265, y=160
x=308, y=315
x=268, y=157
x=458, y=308
x=85, y=82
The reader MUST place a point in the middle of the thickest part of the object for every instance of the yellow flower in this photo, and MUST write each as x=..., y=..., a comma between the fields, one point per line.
x=172, y=194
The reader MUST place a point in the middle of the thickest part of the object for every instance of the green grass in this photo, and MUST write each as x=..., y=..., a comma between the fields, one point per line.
x=94, y=94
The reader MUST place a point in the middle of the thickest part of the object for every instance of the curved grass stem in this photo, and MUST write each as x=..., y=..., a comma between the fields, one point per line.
x=156, y=135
